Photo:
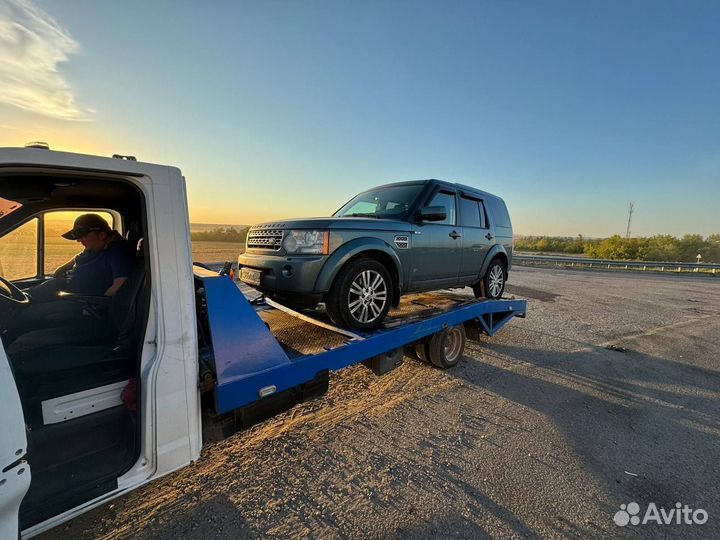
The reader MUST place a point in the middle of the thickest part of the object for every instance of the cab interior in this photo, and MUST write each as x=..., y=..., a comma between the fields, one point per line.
x=77, y=377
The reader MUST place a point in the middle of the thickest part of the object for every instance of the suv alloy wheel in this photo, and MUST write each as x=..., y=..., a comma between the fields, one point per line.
x=492, y=284
x=360, y=295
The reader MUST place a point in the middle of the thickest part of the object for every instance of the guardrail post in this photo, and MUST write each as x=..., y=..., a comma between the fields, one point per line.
x=662, y=268
x=644, y=267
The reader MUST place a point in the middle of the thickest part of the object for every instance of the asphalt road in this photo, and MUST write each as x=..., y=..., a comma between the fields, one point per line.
x=540, y=432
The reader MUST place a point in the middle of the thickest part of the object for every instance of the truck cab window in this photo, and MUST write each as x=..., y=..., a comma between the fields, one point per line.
x=19, y=252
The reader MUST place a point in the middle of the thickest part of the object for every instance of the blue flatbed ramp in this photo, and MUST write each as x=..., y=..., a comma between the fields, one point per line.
x=261, y=349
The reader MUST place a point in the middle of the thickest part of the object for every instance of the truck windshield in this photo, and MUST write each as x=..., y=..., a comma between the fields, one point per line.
x=391, y=202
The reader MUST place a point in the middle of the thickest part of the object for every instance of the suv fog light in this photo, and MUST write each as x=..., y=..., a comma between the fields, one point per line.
x=287, y=270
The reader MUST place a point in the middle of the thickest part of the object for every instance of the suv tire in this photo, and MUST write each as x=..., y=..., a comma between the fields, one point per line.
x=492, y=284
x=360, y=295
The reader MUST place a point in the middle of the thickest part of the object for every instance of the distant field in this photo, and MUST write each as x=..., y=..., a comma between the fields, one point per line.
x=205, y=251
x=213, y=251
x=18, y=249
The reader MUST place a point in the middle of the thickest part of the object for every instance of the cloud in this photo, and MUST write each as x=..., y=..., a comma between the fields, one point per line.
x=32, y=45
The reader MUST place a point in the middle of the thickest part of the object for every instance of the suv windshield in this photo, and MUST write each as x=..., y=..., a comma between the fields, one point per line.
x=387, y=202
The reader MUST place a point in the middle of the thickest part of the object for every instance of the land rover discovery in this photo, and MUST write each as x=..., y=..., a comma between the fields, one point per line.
x=394, y=239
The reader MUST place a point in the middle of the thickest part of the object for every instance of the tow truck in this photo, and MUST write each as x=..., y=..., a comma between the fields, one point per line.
x=185, y=357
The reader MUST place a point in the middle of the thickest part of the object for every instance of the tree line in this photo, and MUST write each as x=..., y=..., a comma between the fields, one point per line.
x=662, y=247
x=220, y=234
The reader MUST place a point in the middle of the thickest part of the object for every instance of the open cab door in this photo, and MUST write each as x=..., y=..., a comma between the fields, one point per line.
x=14, y=470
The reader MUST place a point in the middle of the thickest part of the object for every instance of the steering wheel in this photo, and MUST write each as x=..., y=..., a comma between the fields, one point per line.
x=10, y=293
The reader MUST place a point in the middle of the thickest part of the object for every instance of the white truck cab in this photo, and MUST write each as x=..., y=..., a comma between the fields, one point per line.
x=76, y=440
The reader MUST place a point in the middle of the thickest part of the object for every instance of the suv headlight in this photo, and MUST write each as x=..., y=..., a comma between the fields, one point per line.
x=306, y=242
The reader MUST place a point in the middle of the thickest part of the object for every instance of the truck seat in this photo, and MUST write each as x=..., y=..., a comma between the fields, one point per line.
x=61, y=369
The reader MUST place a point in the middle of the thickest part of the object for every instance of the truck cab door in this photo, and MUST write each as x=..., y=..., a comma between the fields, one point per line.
x=14, y=470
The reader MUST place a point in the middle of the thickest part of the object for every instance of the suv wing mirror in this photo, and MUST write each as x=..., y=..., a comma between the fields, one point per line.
x=433, y=213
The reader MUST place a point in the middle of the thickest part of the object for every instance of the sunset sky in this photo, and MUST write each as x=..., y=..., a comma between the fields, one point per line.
x=568, y=110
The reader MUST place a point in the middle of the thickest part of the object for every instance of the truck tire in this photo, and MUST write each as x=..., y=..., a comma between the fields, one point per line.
x=360, y=295
x=492, y=284
x=445, y=348
x=421, y=351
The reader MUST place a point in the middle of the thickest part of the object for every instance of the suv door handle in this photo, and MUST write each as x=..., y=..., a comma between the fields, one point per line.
x=455, y=234
x=489, y=236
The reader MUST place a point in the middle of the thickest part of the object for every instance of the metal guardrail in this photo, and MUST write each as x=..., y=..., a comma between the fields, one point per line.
x=582, y=262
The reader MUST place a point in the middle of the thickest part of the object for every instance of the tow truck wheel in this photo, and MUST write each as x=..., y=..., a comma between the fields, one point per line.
x=421, y=353
x=445, y=348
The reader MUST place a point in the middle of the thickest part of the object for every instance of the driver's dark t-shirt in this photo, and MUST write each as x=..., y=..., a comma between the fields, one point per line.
x=95, y=271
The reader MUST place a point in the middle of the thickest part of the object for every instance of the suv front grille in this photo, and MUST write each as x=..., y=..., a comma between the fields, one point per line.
x=264, y=239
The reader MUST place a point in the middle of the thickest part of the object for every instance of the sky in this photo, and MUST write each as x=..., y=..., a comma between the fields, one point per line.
x=274, y=109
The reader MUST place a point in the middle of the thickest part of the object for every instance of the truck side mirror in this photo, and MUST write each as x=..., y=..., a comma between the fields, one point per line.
x=433, y=213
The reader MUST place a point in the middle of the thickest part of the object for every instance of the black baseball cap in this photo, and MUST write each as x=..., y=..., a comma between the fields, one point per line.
x=85, y=224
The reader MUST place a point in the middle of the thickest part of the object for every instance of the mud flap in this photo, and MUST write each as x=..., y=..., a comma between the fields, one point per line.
x=473, y=329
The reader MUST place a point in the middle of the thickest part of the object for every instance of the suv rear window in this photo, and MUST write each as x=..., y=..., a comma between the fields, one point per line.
x=499, y=213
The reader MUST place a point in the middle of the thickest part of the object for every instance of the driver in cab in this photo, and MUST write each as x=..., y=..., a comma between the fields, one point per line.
x=100, y=270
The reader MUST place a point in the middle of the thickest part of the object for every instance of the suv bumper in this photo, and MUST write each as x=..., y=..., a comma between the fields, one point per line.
x=291, y=278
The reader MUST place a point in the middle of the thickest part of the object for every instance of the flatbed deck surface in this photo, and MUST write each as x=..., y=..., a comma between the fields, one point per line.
x=300, y=338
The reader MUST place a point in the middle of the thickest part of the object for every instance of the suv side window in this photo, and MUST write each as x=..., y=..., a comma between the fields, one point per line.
x=446, y=199
x=469, y=213
x=472, y=213
x=483, y=216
